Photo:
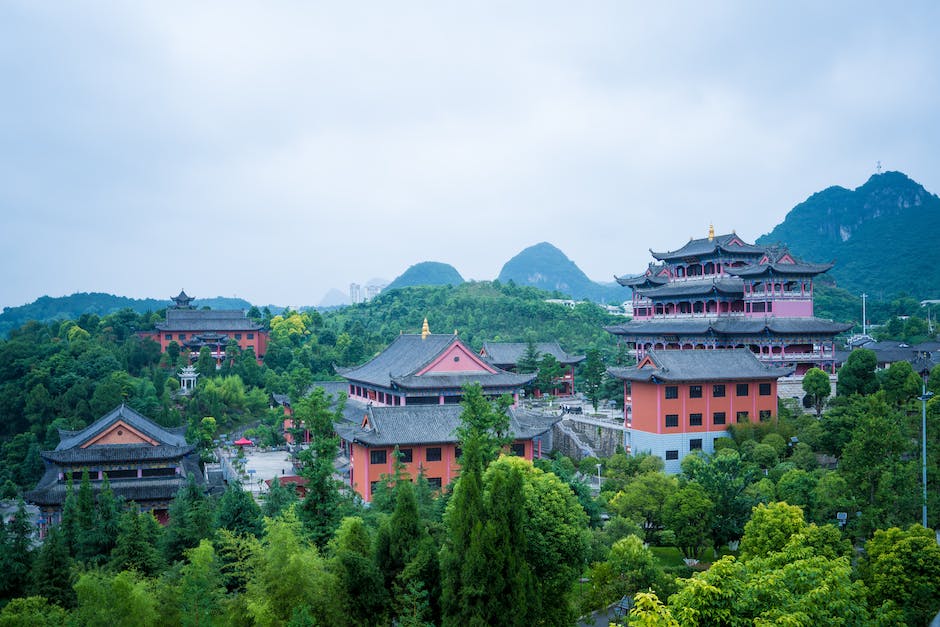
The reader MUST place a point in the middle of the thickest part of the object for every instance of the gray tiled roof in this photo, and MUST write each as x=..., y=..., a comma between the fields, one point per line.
x=695, y=287
x=500, y=379
x=509, y=353
x=332, y=388
x=173, y=437
x=785, y=269
x=704, y=246
x=51, y=491
x=701, y=365
x=641, y=280
x=408, y=354
x=221, y=320
x=730, y=326
x=116, y=453
x=425, y=424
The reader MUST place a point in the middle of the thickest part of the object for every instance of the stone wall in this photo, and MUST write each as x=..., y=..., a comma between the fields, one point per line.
x=579, y=437
x=792, y=387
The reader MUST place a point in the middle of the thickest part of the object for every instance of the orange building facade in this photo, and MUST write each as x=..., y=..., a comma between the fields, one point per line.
x=676, y=402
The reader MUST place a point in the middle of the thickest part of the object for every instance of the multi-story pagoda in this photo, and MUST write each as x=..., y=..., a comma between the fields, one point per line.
x=194, y=328
x=721, y=292
x=144, y=463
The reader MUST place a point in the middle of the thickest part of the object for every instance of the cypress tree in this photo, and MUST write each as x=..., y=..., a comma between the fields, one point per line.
x=238, y=512
x=15, y=553
x=107, y=520
x=52, y=572
x=86, y=538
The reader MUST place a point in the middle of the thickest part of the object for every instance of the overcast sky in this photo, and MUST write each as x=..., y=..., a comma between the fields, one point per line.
x=273, y=151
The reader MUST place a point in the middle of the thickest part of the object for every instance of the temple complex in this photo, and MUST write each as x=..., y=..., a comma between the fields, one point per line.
x=428, y=369
x=722, y=292
x=679, y=401
x=193, y=328
x=507, y=355
x=144, y=463
x=408, y=397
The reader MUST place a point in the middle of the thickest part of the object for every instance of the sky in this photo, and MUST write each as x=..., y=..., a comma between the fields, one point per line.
x=273, y=151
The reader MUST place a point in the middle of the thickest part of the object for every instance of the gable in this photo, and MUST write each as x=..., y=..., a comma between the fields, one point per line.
x=456, y=358
x=647, y=362
x=786, y=259
x=119, y=433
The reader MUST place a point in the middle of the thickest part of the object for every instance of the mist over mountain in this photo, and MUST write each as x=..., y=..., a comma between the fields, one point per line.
x=544, y=266
x=882, y=236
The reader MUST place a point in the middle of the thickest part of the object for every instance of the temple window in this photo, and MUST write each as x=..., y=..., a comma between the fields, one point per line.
x=741, y=389
x=695, y=391
x=695, y=420
x=695, y=444
x=672, y=391
x=377, y=457
x=672, y=420
x=764, y=389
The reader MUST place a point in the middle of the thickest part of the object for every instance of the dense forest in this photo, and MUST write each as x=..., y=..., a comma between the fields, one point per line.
x=752, y=531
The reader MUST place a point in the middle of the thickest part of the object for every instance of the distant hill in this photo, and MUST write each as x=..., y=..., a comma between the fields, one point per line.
x=881, y=235
x=547, y=268
x=334, y=298
x=427, y=273
x=46, y=308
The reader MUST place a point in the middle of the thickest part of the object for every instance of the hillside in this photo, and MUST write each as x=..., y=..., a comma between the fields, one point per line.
x=427, y=273
x=881, y=236
x=545, y=267
x=46, y=308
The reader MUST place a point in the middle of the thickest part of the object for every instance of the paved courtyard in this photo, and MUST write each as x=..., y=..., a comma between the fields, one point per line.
x=262, y=466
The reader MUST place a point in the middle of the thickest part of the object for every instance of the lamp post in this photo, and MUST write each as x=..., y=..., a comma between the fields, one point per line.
x=598, y=477
x=926, y=396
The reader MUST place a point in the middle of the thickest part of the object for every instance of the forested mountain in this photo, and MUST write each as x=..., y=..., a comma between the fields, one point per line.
x=547, y=268
x=881, y=236
x=48, y=308
x=427, y=273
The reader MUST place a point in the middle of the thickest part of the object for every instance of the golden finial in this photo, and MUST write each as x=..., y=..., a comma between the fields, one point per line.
x=425, y=329
x=711, y=232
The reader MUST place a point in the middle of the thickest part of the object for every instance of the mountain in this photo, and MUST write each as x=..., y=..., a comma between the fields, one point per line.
x=427, y=273
x=881, y=235
x=334, y=298
x=547, y=268
x=47, y=308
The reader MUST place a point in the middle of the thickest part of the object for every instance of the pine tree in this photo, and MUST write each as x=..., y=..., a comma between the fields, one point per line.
x=15, y=553
x=278, y=499
x=399, y=536
x=52, y=571
x=85, y=547
x=238, y=512
x=137, y=542
x=107, y=520
x=189, y=514
x=321, y=509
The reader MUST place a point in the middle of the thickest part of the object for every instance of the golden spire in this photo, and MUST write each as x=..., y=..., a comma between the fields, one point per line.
x=425, y=329
x=711, y=232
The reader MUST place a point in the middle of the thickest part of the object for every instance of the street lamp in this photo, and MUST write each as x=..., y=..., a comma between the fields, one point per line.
x=926, y=396
x=598, y=477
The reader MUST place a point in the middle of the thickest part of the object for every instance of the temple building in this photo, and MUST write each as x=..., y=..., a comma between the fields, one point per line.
x=408, y=396
x=680, y=401
x=506, y=355
x=428, y=369
x=144, y=463
x=722, y=292
x=193, y=328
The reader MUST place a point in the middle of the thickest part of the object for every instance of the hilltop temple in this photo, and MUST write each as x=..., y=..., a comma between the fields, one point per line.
x=193, y=328
x=722, y=292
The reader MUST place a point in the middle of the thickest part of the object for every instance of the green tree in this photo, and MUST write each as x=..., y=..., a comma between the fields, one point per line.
x=52, y=570
x=399, y=536
x=189, y=514
x=361, y=586
x=725, y=479
x=201, y=592
x=857, y=375
x=115, y=600
x=16, y=553
x=33, y=611
x=205, y=364
x=770, y=528
x=689, y=514
x=238, y=512
x=643, y=500
x=278, y=499
x=630, y=567
x=592, y=376
x=529, y=362
x=817, y=387
x=903, y=567
x=137, y=542
x=900, y=383
x=548, y=373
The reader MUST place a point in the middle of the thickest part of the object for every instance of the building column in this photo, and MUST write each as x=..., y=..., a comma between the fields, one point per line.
x=440, y=399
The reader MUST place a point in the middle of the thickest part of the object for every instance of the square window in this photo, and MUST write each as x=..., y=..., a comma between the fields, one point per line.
x=238, y=336
x=742, y=416
x=695, y=445
x=457, y=452
x=435, y=483
x=377, y=457
x=251, y=336
x=764, y=415
x=168, y=336
x=764, y=389
x=405, y=455
x=742, y=389
x=718, y=418
x=672, y=420
x=695, y=420
x=182, y=336
x=518, y=449
x=672, y=391
x=695, y=391
x=672, y=455
x=433, y=454
x=718, y=390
